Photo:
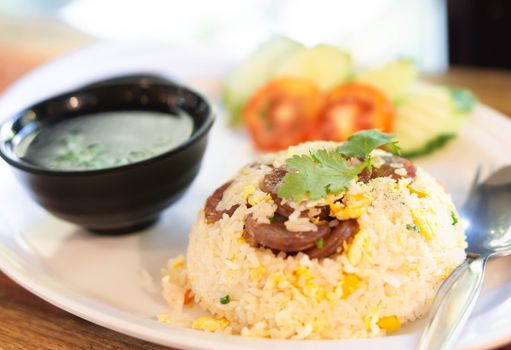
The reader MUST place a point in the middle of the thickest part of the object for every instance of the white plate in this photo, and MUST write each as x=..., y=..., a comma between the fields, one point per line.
x=99, y=278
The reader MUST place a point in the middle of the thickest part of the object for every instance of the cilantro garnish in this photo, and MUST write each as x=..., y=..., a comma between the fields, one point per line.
x=320, y=243
x=454, y=218
x=413, y=228
x=225, y=300
x=361, y=143
x=317, y=175
x=323, y=172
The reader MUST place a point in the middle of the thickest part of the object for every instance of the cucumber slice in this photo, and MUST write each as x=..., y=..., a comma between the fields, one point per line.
x=426, y=120
x=394, y=78
x=253, y=73
x=324, y=64
x=429, y=147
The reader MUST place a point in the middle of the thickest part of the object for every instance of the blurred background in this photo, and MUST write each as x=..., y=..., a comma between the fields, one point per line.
x=437, y=34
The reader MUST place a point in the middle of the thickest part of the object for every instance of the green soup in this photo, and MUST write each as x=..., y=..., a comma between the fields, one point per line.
x=105, y=140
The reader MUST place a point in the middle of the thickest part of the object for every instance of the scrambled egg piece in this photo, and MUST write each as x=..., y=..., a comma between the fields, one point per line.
x=424, y=225
x=210, y=324
x=254, y=197
x=304, y=283
x=308, y=287
x=302, y=271
x=315, y=220
x=355, y=206
x=389, y=323
x=312, y=290
x=361, y=244
x=257, y=273
x=350, y=284
x=248, y=191
x=179, y=262
x=420, y=191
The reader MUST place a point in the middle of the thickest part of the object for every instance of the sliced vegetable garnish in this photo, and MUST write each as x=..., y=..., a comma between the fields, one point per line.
x=281, y=113
x=428, y=118
x=428, y=147
x=255, y=72
x=322, y=172
x=393, y=79
x=324, y=65
x=353, y=107
x=391, y=98
x=320, y=243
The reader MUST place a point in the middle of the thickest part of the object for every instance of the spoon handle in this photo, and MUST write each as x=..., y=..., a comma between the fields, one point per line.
x=454, y=303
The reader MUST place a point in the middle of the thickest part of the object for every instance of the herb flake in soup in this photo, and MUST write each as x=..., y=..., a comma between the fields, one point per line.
x=105, y=140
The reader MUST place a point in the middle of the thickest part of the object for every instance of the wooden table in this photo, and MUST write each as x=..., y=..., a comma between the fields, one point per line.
x=28, y=322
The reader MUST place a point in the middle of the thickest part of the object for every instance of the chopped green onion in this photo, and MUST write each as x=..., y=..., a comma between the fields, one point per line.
x=454, y=218
x=320, y=243
x=413, y=228
x=225, y=300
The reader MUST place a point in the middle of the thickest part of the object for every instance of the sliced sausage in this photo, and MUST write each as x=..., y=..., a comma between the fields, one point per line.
x=276, y=236
x=387, y=170
x=365, y=175
x=333, y=242
x=210, y=211
x=271, y=181
x=270, y=184
x=324, y=213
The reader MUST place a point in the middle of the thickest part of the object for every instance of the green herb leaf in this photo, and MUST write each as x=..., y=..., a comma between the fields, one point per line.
x=464, y=101
x=316, y=175
x=322, y=172
x=454, y=218
x=320, y=243
x=361, y=143
x=225, y=300
x=413, y=228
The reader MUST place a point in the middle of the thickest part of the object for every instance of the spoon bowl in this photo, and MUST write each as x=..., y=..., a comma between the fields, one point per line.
x=487, y=215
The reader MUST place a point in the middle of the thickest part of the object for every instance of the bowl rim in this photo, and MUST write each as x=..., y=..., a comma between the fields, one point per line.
x=34, y=169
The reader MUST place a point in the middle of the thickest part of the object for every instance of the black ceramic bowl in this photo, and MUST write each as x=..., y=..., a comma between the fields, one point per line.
x=118, y=199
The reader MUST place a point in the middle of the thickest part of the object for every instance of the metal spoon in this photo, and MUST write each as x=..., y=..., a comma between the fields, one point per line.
x=487, y=217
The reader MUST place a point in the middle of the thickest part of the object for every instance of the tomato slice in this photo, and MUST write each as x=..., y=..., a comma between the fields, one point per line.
x=353, y=107
x=282, y=113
